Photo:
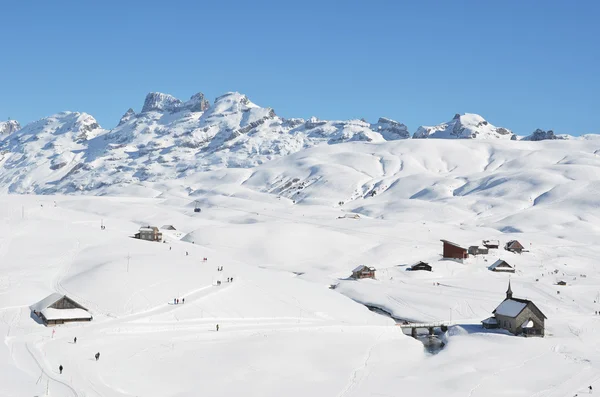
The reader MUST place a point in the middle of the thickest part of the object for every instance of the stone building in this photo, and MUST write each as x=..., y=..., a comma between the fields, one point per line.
x=518, y=316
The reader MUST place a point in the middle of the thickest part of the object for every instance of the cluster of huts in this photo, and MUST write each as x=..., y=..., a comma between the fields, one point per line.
x=459, y=252
x=516, y=315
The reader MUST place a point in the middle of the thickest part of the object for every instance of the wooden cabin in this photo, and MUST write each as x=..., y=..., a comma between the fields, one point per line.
x=420, y=266
x=514, y=246
x=363, y=271
x=453, y=251
x=518, y=316
x=59, y=309
x=501, y=266
x=561, y=283
x=149, y=233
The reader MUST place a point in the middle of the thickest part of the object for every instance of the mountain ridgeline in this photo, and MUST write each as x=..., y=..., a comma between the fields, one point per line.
x=171, y=139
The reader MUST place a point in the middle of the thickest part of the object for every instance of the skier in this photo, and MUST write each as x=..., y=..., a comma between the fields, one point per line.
x=75, y=340
x=60, y=368
x=177, y=301
x=232, y=279
x=590, y=389
x=174, y=301
x=186, y=253
x=217, y=327
x=182, y=300
x=170, y=248
x=97, y=356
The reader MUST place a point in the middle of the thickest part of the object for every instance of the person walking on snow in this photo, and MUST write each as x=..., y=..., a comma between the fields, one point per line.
x=75, y=340
x=182, y=300
x=97, y=356
x=217, y=327
x=60, y=368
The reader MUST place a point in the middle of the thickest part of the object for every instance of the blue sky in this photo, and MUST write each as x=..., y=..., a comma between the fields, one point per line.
x=520, y=64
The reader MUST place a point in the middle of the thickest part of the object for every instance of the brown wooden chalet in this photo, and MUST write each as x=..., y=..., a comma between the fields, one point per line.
x=454, y=251
x=149, y=233
x=363, y=271
x=514, y=246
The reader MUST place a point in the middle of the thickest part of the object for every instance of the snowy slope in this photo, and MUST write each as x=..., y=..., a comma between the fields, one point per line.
x=465, y=126
x=282, y=330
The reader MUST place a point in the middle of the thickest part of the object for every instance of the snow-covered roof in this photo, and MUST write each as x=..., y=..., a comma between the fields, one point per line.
x=46, y=302
x=148, y=229
x=361, y=267
x=510, y=308
x=454, y=244
x=65, y=314
x=499, y=265
x=490, y=320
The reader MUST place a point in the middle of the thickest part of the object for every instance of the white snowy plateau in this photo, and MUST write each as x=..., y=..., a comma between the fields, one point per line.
x=277, y=199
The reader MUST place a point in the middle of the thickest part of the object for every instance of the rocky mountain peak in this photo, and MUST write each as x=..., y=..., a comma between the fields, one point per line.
x=8, y=127
x=129, y=114
x=197, y=103
x=390, y=130
x=159, y=102
x=541, y=135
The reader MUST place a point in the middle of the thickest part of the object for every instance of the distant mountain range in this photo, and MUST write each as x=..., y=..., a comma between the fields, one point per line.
x=170, y=138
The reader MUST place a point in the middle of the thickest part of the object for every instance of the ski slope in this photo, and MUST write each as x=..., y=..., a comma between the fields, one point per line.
x=283, y=331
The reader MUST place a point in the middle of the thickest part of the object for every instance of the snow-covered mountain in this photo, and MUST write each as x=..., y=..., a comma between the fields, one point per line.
x=8, y=127
x=541, y=135
x=169, y=138
x=465, y=126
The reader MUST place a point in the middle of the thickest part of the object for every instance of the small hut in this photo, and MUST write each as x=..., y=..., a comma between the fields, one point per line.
x=478, y=250
x=363, y=271
x=514, y=246
x=59, y=309
x=420, y=266
x=501, y=266
x=149, y=233
x=561, y=283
